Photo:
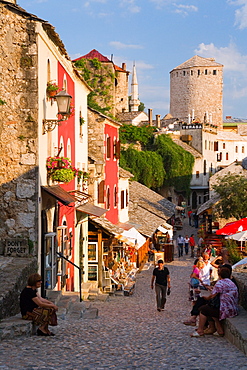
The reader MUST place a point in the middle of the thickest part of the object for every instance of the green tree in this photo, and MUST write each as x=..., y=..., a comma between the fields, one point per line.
x=232, y=190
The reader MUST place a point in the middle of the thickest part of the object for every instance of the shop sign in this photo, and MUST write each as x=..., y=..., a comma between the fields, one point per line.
x=16, y=248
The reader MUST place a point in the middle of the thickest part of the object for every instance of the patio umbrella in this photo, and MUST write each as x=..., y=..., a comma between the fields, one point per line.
x=233, y=227
x=242, y=262
x=240, y=237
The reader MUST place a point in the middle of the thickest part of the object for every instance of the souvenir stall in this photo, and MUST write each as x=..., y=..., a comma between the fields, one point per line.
x=164, y=242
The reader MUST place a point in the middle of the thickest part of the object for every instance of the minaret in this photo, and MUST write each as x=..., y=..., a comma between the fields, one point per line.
x=134, y=101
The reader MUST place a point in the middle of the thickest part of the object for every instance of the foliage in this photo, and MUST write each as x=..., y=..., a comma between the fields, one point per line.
x=178, y=163
x=2, y=102
x=60, y=169
x=232, y=190
x=141, y=107
x=233, y=253
x=51, y=86
x=63, y=175
x=146, y=166
x=97, y=76
x=131, y=134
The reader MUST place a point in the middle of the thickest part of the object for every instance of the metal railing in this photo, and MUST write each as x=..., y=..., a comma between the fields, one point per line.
x=79, y=268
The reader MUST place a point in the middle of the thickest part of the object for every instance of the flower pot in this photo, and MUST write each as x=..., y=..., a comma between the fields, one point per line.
x=51, y=93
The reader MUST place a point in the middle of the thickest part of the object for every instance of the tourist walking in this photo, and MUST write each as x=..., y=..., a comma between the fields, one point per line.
x=192, y=245
x=161, y=277
x=186, y=244
x=180, y=245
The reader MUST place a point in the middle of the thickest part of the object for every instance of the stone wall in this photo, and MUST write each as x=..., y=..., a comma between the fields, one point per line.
x=121, y=92
x=14, y=273
x=202, y=92
x=96, y=136
x=241, y=278
x=18, y=127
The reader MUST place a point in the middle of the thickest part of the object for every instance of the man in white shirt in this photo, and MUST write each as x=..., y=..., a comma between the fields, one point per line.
x=180, y=245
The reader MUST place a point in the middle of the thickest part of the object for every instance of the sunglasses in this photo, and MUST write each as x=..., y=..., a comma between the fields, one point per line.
x=38, y=281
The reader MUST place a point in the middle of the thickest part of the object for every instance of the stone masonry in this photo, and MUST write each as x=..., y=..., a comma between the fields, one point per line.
x=18, y=125
x=197, y=84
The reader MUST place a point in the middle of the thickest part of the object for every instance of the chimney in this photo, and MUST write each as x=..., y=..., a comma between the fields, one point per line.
x=150, y=117
x=158, y=120
x=124, y=66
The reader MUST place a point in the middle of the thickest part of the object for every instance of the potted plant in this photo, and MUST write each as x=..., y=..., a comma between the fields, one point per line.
x=60, y=169
x=51, y=89
x=63, y=175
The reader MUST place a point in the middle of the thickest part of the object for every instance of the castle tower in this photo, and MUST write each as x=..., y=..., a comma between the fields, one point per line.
x=134, y=101
x=196, y=88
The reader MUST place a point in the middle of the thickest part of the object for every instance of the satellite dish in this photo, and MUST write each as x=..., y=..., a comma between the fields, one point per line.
x=244, y=163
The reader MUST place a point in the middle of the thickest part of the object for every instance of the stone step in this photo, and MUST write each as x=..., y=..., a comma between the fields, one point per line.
x=15, y=326
x=236, y=330
x=98, y=297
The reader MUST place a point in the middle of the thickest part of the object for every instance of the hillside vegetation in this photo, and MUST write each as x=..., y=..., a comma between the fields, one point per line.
x=160, y=163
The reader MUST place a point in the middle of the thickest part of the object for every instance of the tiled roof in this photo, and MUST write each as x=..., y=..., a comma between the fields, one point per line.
x=125, y=174
x=151, y=201
x=107, y=225
x=197, y=61
x=128, y=116
x=208, y=204
x=144, y=221
x=94, y=54
x=187, y=147
x=119, y=69
x=229, y=136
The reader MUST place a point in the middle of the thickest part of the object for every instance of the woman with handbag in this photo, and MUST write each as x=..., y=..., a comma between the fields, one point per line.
x=33, y=307
x=219, y=308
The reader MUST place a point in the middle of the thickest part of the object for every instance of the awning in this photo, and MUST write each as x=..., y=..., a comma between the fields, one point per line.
x=91, y=209
x=233, y=227
x=165, y=230
x=134, y=237
x=60, y=194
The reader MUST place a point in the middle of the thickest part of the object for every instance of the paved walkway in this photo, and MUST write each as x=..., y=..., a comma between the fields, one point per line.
x=128, y=334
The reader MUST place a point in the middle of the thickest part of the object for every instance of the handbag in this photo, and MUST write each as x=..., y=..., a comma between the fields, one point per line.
x=215, y=301
x=53, y=319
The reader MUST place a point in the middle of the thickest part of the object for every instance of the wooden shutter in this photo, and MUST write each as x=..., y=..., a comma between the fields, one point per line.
x=216, y=146
x=108, y=147
x=122, y=199
x=117, y=149
x=101, y=192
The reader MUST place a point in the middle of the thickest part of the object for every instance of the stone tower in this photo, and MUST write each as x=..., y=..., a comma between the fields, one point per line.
x=134, y=101
x=196, y=91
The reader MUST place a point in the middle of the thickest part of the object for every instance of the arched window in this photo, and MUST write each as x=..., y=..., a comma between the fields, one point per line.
x=48, y=71
x=68, y=154
x=61, y=145
x=64, y=83
x=204, y=167
x=115, y=196
x=108, y=198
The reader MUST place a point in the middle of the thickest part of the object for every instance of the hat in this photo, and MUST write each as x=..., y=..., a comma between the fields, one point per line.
x=160, y=261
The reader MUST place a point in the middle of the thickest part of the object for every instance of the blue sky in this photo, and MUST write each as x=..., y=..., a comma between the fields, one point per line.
x=158, y=35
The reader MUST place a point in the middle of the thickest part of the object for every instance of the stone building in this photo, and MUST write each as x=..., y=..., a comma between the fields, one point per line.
x=196, y=88
x=34, y=210
x=110, y=82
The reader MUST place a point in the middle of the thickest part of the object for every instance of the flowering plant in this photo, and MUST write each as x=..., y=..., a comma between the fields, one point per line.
x=71, y=110
x=61, y=169
x=52, y=86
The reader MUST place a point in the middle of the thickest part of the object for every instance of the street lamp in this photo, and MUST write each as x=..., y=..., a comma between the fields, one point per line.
x=63, y=103
x=99, y=167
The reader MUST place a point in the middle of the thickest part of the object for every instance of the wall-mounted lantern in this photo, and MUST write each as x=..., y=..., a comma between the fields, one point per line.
x=63, y=100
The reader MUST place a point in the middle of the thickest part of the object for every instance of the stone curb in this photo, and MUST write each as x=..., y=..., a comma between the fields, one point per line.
x=236, y=330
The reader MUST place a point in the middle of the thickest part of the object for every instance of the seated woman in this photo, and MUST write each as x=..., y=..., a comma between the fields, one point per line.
x=227, y=307
x=35, y=308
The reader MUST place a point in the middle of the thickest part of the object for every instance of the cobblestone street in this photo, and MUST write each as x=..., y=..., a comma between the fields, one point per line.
x=128, y=334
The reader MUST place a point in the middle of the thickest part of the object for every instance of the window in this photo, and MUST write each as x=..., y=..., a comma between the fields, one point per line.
x=206, y=72
x=199, y=199
x=115, y=196
x=236, y=149
x=93, y=251
x=198, y=72
x=197, y=174
x=108, y=199
x=219, y=157
x=216, y=146
x=205, y=144
x=122, y=199
x=205, y=167
x=224, y=145
x=48, y=71
x=108, y=147
x=191, y=72
x=226, y=156
x=127, y=198
x=242, y=149
x=101, y=190
x=214, y=72
x=184, y=73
